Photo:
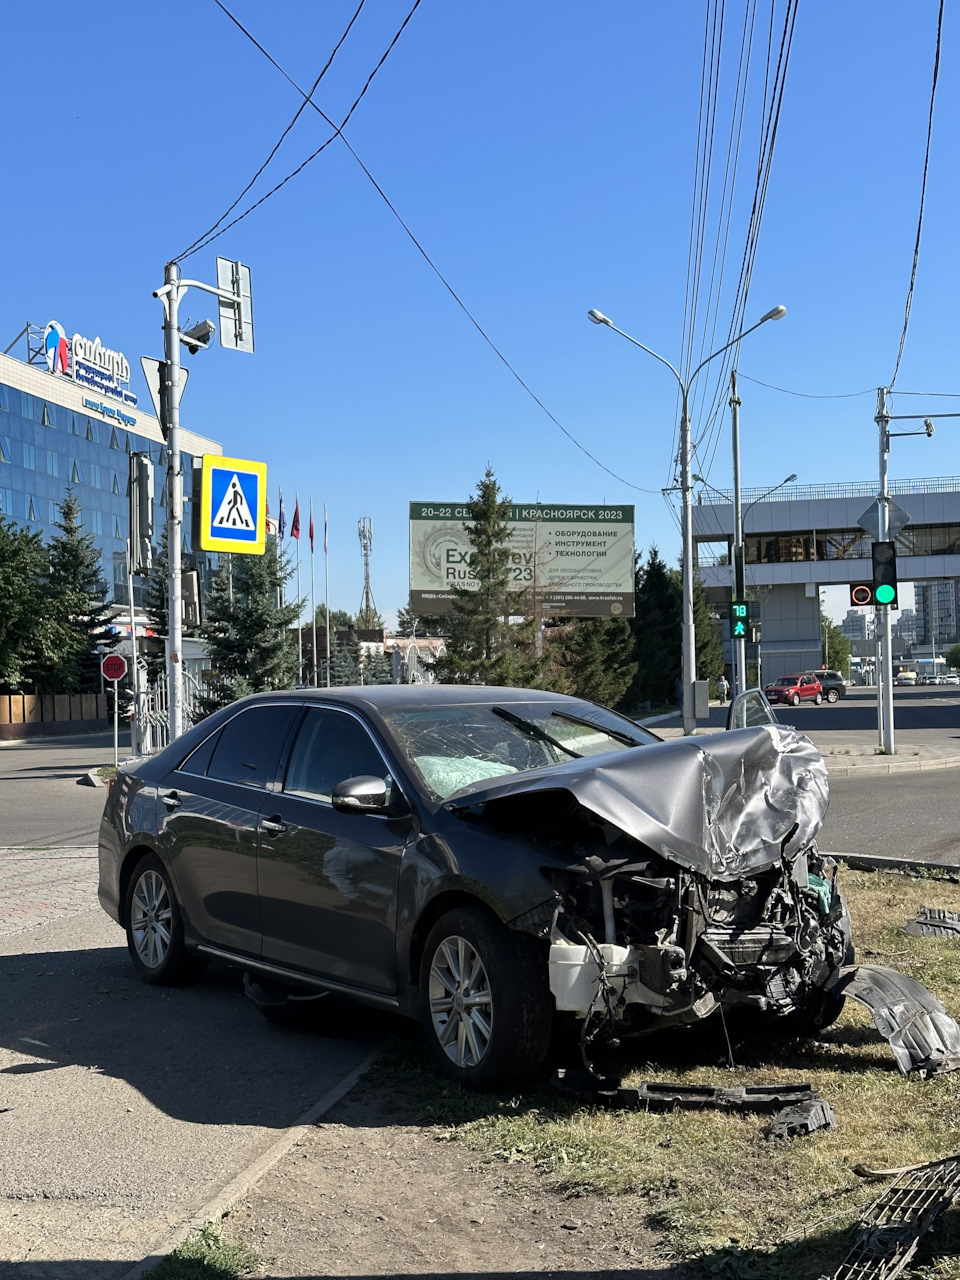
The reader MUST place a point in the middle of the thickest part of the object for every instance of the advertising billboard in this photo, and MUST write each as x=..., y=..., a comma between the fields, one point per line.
x=577, y=561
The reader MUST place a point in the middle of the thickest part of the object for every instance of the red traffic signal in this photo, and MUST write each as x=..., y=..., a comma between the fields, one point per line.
x=861, y=593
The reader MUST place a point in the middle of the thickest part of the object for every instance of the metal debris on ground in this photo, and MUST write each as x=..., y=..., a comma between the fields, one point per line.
x=797, y=1108
x=934, y=922
x=922, y=1035
x=893, y=1226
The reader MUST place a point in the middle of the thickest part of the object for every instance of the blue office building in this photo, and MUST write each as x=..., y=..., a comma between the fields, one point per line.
x=68, y=418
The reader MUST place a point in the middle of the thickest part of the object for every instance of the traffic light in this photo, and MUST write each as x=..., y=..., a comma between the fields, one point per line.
x=885, y=573
x=861, y=594
x=739, y=619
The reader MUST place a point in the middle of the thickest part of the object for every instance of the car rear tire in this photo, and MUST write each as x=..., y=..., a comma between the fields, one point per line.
x=795, y=700
x=818, y=699
x=155, y=927
x=833, y=695
x=485, y=1001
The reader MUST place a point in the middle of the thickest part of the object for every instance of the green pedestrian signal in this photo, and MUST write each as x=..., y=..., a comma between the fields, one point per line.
x=885, y=573
x=739, y=619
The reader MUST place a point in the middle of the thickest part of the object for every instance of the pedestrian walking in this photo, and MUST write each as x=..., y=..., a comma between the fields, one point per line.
x=722, y=689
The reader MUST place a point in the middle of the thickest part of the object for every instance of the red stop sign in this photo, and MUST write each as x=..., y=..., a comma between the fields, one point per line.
x=114, y=666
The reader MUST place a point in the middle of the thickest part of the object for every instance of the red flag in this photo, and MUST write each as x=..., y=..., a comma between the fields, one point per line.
x=295, y=526
x=311, y=526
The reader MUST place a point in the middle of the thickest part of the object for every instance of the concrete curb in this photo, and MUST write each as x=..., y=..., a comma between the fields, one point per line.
x=881, y=768
x=902, y=866
x=214, y=1210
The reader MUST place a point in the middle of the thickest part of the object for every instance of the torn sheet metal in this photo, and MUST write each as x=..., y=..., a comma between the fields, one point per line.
x=726, y=805
x=893, y=1226
x=922, y=1035
x=796, y=1108
x=935, y=922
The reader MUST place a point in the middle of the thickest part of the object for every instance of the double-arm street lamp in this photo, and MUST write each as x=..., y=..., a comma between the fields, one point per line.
x=739, y=560
x=686, y=486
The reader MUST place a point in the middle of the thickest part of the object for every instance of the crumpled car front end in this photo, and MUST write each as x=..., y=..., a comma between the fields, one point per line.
x=686, y=876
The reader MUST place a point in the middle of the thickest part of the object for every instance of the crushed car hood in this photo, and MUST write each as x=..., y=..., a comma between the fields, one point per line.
x=725, y=805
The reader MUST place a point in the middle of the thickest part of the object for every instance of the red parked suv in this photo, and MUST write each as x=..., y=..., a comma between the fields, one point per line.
x=794, y=690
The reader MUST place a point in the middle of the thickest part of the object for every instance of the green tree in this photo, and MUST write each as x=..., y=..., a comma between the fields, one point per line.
x=340, y=620
x=952, y=657
x=33, y=632
x=484, y=646
x=77, y=586
x=249, y=638
x=421, y=624
x=709, y=637
x=377, y=666
x=657, y=633
x=600, y=659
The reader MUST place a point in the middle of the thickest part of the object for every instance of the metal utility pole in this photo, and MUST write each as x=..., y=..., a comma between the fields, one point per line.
x=884, y=639
x=689, y=650
x=739, y=570
x=236, y=331
x=368, y=610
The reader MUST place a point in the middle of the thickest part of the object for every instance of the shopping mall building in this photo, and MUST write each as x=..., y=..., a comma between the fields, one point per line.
x=69, y=419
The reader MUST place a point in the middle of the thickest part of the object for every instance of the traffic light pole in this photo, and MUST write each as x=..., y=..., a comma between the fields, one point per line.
x=739, y=573
x=170, y=400
x=885, y=665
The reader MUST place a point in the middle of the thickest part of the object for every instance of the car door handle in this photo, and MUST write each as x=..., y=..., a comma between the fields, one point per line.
x=172, y=800
x=273, y=826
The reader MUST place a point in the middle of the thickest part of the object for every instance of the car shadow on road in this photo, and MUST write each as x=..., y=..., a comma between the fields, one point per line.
x=200, y=1053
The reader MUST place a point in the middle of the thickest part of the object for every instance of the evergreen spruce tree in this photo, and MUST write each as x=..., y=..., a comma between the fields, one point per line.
x=34, y=629
x=483, y=643
x=657, y=631
x=421, y=624
x=249, y=639
x=77, y=584
x=709, y=637
x=601, y=662
x=345, y=660
x=377, y=667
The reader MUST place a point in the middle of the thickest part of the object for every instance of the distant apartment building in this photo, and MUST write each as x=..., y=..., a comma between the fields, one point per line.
x=858, y=625
x=937, y=612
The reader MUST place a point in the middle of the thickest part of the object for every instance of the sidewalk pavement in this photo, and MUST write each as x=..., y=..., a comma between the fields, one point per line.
x=847, y=752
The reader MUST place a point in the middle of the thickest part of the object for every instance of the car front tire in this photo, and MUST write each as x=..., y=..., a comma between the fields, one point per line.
x=795, y=700
x=155, y=927
x=485, y=1001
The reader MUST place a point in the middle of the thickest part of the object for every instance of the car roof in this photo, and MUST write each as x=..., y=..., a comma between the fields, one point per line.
x=394, y=697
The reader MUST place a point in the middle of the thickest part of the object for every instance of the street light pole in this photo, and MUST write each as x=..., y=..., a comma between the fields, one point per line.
x=885, y=693
x=739, y=570
x=170, y=391
x=688, y=647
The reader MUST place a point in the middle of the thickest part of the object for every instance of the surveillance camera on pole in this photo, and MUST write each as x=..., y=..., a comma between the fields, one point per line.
x=197, y=337
x=236, y=314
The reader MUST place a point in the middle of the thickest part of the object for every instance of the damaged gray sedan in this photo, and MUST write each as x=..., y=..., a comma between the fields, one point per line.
x=480, y=859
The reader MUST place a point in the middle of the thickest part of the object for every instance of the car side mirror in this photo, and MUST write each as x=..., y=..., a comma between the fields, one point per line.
x=749, y=709
x=363, y=794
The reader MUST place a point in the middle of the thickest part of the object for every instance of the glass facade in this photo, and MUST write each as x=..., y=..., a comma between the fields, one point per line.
x=848, y=544
x=46, y=447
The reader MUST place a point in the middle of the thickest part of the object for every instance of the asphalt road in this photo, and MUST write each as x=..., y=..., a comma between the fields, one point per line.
x=912, y=815
x=41, y=804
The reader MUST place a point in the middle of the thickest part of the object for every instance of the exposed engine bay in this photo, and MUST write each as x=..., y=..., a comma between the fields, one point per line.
x=694, y=880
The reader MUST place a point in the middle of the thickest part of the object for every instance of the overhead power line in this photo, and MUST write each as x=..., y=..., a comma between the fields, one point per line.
x=923, y=193
x=811, y=395
x=276, y=147
x=209, y=237
x=426, y=257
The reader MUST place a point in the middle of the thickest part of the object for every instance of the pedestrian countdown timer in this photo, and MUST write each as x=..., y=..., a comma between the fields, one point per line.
x=739, y=619
x=233, y=505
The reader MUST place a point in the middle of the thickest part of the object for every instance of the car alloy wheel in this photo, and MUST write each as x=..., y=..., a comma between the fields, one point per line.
x=795, y=699
x=461, y=1002
x=151, y=918
x=833, y=695
x=818, y=699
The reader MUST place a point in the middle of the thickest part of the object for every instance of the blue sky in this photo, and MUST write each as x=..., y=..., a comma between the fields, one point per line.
x=543, y=153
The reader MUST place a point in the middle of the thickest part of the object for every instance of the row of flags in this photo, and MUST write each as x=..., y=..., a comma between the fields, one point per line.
x=295, y=524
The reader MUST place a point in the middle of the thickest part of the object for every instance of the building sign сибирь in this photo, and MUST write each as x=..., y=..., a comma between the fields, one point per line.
x=88, y=361
x=578, y=561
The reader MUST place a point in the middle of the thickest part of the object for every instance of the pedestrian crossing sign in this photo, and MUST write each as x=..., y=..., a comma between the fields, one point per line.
x=233, y=505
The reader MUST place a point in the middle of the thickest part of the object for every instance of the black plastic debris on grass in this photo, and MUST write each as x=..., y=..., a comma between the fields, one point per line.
x=893, y=1226
x=934, y=922
x=797, y=1108
x=922, y=1035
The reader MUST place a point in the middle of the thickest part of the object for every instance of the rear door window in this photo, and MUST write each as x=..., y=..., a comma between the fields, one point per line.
x=249, y=746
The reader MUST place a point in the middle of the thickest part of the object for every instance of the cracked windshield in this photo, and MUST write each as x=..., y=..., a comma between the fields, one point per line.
x=453, y=747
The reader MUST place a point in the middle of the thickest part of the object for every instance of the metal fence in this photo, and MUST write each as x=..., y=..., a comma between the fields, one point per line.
x=152, y=713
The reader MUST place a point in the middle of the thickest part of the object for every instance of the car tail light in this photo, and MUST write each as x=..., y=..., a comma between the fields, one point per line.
x=111, y=783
